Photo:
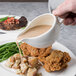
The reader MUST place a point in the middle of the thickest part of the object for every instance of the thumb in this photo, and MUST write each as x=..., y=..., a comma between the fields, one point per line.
x=62, y=9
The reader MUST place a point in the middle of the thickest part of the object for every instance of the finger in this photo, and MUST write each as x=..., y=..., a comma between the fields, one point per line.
x=64, y=16
x=74, y=23
x=62, y=9
x=68, y=21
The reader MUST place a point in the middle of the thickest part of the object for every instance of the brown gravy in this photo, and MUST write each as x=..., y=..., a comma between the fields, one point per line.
x=35, y=31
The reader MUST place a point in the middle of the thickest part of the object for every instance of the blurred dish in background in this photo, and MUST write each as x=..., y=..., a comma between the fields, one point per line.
x=12, y=23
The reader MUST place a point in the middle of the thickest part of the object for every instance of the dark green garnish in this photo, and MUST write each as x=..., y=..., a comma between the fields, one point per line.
x=3, y=19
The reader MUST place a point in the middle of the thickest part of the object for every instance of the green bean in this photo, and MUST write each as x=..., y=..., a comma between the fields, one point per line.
x=3, y=53
x=7, y=50
x=7, y=55
x=5, y=46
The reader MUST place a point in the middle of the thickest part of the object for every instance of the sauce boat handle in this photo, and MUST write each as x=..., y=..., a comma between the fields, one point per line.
x=59, y=21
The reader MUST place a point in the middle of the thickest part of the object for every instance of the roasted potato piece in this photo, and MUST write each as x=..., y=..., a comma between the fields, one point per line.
x=19, y=71
x=17, y=56
x=32, y=72
x=23, y=60
x=10, y=62
x=33, y=61
x=16, y=65
x=24, y=67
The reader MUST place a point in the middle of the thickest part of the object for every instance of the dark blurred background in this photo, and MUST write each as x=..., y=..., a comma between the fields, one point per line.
x=23, y=0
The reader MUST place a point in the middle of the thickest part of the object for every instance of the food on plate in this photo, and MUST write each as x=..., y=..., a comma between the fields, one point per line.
x=32, y=72
x=7, y=50
x=33, y=58
x=53, y=60
x=33, y=62
x=10, y=62
x=57, y=60
x=3, y=19
x=24, y=65
x=28, y=50
x=11, y=23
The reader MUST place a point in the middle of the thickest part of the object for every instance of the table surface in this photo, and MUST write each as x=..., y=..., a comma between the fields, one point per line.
x=31, y=10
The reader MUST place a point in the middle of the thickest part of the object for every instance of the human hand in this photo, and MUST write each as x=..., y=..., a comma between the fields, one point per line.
x=67, y=11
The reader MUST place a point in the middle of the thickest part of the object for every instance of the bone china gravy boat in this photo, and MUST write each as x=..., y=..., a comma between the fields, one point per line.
x=46, y=39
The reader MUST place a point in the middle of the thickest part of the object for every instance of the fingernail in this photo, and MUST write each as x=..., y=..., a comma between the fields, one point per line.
x=54, y=12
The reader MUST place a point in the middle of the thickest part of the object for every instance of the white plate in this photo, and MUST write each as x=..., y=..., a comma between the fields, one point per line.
x=10, y=31
x=69, y=71
x=11, y=36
